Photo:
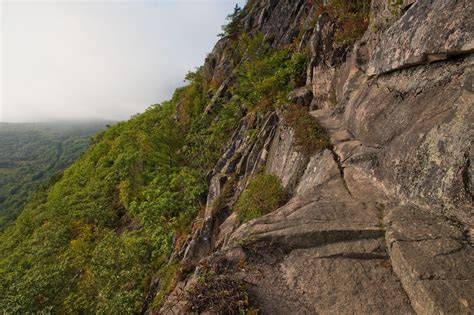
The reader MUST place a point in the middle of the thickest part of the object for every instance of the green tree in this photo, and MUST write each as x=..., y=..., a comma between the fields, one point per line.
x=232, y=29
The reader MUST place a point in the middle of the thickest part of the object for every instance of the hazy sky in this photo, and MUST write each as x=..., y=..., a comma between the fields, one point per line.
x=100, y=59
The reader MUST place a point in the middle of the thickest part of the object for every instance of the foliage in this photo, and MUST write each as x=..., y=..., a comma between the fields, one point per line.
x=167, y=276
x=227, y=192
x=249, y=47
x=266, y=77
x=310, y=137
x=218, y=294
x=394, y=6
x=333, y=98
x=30, y=153
x=232, y=28
x=89, y=241
x=263, y=195
x=352, y=18
x=208, y=136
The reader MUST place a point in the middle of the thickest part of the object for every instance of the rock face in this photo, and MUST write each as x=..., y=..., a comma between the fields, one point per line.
x=428, y=31
x=421, y=122
x=432, y=259
x=382, y=222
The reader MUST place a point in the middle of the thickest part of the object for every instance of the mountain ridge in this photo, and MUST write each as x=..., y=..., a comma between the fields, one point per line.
x=318, y=162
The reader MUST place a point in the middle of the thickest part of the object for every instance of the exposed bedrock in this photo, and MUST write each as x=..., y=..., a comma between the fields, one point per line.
x=381, y=222
x=428, y=31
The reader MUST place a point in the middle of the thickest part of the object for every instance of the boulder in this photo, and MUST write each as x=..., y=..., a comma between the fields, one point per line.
x=302, y=96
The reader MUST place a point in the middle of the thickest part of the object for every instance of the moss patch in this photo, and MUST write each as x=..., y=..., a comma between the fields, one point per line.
x=168, y=276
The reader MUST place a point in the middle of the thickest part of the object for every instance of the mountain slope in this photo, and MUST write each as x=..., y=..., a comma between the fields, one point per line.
x=90, y=240
x=379, y=221
x=309, y=166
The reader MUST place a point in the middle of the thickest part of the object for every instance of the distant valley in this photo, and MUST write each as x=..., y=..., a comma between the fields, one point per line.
x=31, y=153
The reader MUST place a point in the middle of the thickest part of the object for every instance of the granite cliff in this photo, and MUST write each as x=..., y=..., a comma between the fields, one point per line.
x=380, y=221
x=320, y=161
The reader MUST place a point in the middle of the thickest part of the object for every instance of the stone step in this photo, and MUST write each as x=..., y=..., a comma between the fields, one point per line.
x=346, y=278
x=326, y=216
x=433, y=260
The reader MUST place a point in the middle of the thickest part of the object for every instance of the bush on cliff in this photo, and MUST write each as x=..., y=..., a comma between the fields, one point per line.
x=232, y=28
x=263, y=195
x=218, y=294
x=310, y=136
x=351, y=17
x=265, y=78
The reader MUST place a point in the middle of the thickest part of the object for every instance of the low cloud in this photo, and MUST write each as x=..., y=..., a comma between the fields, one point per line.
x=107, y=59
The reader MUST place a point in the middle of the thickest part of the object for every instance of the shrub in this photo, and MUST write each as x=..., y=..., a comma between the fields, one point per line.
x=310, y=136
x=263, y=195
x=218, y=294
x=168, y=276
x=226, y=193
x=394, y=6
x=333, y=98
x=264, y=79
x=352, y=18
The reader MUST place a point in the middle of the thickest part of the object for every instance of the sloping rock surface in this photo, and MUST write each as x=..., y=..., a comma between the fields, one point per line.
x=433, y=260
x=428, y=31
x=327, y=247
x=382, y=222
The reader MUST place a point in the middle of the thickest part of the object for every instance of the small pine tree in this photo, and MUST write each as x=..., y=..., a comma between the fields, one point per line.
x=231, y=29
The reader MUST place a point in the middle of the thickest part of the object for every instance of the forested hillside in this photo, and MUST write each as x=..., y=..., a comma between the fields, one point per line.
x=92, y=240
x=30, y=153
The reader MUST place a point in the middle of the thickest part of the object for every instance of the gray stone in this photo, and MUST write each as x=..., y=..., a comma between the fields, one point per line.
x=334, y=127
x=245, y=156
x=352, y=280
x=336, y=260
x=428, y=31
x=329, y=215
x=356, y=236
x=284, y=160
x=302, y=96
x=433, y=260
x=420, y=123
x=226, y=229
x=321, y=169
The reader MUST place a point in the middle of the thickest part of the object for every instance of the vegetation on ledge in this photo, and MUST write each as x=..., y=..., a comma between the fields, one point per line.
x=263, y=195
x=218, y=294
x=351, y=17
x=310, y=136
x=266, y=77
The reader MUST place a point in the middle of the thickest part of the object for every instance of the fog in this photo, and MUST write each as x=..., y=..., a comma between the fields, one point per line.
x=63, y=60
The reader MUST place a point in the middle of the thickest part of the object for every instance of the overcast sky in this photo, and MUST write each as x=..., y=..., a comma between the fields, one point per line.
x=100, y=59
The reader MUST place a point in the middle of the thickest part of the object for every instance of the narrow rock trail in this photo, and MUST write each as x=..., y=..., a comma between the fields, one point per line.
x=343, y=246
x=432, y=256
x=379, y=223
